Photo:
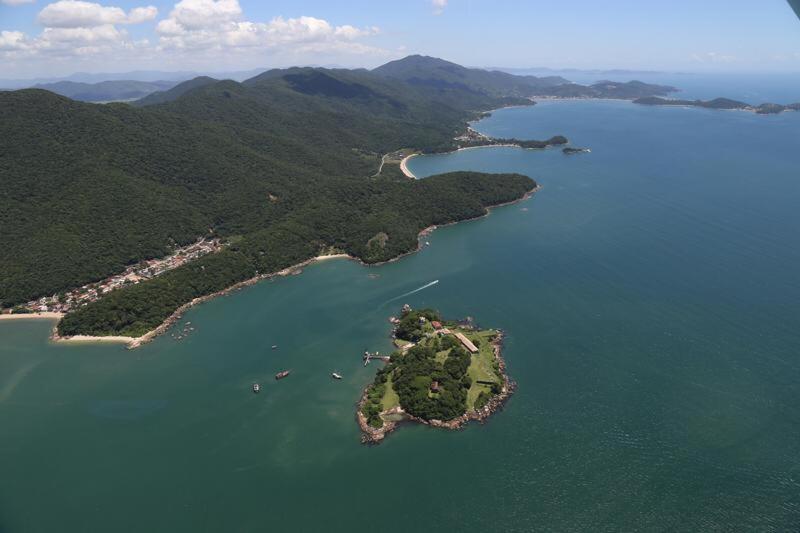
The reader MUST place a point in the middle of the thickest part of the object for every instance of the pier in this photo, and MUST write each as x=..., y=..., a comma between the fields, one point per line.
x=377, y=355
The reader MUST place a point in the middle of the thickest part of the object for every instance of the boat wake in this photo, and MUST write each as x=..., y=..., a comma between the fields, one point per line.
x=409, y=293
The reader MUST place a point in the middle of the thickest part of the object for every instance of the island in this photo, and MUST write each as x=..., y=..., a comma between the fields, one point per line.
x=442, y=374
x=720, y=103
x=572, y=151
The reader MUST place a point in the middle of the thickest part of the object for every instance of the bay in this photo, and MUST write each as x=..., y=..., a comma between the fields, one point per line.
x=651, y=301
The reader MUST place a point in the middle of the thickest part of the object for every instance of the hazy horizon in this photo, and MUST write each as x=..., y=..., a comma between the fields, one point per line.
x=55, y=39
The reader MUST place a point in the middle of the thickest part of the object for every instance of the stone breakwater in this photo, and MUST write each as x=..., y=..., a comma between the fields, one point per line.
x=371, y=435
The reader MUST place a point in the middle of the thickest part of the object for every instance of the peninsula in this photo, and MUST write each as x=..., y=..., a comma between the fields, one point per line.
x=443, y=374
x=239, y=181
x=720, y=103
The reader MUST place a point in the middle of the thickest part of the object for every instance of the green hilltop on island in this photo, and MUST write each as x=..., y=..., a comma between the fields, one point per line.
x=442, y=374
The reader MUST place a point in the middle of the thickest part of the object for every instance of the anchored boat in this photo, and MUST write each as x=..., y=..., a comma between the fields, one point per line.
x=256, y=388
x=282, y=374
x=336, y=376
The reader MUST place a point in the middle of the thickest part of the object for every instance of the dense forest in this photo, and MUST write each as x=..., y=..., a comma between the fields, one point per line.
x=281, y=166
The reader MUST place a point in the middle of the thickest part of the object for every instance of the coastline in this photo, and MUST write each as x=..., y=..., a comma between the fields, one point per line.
x=372, y=436
x=135, y=342
x=32, y=316
x=404, y=166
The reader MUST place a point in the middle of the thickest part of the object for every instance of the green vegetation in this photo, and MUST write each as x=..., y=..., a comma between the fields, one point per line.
x=437, y=378
x=720, y=103
x=281, y=166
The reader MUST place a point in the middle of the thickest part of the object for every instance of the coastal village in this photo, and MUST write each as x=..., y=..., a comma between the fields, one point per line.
x=144, y=270
x=443, y=374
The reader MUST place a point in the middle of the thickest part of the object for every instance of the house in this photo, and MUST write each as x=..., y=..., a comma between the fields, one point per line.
x=436, y=324
x=434, y=386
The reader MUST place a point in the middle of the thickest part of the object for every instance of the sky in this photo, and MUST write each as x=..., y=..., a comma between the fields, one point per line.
x=40, y=38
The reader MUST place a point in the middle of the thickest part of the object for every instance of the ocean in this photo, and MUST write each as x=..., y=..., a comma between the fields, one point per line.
x=651, y=302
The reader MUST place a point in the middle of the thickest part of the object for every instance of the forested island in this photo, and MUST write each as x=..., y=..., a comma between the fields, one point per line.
x=720, y=103
x=443, y=374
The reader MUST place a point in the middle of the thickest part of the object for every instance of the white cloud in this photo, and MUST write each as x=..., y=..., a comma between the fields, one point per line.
x=200, y=33
x=200, y=14
x=217, y=25
x=79, y=14
x=11, y=41
x=438, y=6
x=713, y=57
x=138, y=15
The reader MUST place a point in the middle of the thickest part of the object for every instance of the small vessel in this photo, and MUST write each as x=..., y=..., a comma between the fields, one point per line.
x=274, y=346
x=335, y=375
x=282, y=374
x=256, y=388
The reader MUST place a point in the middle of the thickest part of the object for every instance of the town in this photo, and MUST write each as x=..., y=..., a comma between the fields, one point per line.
x=64, y=302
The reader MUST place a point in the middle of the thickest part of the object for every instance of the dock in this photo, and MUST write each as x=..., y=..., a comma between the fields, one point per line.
x=377, y=355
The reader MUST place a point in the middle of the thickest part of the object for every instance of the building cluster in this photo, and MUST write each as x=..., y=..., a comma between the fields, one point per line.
x=144, y=270
x=472, y=137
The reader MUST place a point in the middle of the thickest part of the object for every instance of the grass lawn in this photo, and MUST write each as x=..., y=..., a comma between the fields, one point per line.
x=482, y=366
x=390, y=397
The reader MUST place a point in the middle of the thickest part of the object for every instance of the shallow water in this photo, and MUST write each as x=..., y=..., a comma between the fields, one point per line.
x=651, y=302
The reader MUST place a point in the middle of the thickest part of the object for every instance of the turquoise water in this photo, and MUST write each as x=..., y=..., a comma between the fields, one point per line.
x=651, y=301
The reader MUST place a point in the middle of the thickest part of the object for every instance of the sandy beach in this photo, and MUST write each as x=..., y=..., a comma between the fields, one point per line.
x=404, y=167
x=32, y=316
x=80, y=339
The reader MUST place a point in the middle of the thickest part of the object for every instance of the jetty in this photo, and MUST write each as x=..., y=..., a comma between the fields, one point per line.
x=377, y=355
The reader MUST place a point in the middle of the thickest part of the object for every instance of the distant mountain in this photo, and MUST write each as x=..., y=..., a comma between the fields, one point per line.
x=283, y=165
x=567, y=71
x=444, y=75
x=175, y=92
x=136, y=75
x=720, y=103
x=106, y=91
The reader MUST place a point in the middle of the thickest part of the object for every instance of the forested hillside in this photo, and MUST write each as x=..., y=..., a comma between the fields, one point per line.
x=280, y=165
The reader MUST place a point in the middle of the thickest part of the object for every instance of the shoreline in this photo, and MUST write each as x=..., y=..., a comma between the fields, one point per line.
x=135, y=342
x=404, y=167
x=49, y=315
x=374, y=436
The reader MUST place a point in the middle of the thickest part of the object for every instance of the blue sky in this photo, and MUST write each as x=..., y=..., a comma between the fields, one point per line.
x=43, y=38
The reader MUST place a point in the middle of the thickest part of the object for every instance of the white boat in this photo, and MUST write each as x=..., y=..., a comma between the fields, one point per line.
x=256, y=387
x=336, y=376
x=274, y=346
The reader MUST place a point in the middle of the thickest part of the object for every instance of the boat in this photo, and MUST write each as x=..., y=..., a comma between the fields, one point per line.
x=274, y=346
x=336, y=376
x=282, y=374
x=256, y=388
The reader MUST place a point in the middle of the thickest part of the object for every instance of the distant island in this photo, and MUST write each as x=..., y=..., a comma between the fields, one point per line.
x=575, y=150
x=443, y=374
x=606, y=89
x=720, y=103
